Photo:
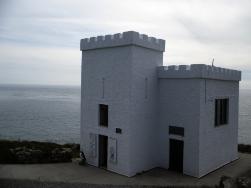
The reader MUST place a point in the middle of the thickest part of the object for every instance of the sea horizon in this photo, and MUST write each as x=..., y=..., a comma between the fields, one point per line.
x=52, y=113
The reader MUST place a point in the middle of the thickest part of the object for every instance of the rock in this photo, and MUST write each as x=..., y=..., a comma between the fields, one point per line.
x=61, y=155
x=37, y=156
x=69, y=150
x=36, y=152
x=226, y=182
x=75, y=147
x=243, y=182
x=23, y=156
x=26, y=155
x=19, y=149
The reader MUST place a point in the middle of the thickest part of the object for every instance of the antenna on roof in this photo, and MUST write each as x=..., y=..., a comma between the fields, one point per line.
x=213, y=62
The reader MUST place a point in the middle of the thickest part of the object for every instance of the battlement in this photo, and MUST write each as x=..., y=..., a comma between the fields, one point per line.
x=122, y=39
x=198, y=71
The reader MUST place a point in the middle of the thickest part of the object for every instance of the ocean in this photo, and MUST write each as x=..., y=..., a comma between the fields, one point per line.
x=52, y=113
x=42, y=113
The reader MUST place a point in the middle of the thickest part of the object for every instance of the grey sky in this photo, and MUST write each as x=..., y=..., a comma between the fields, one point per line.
x=39, y=40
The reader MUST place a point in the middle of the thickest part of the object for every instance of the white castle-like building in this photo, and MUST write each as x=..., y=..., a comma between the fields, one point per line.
x=137, y=114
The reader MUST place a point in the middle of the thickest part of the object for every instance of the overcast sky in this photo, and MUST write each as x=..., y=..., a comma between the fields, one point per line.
x=39, y=40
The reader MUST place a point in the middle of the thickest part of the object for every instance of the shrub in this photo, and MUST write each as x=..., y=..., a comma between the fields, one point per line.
x=36, y=152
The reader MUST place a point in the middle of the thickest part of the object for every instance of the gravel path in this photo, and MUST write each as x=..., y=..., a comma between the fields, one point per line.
x=8, y=183
x=74, y=175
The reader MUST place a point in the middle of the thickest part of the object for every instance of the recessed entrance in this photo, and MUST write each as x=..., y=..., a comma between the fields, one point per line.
x=176, y=155
x=103, y=142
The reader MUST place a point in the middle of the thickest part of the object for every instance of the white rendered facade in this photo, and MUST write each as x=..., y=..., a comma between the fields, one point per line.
x=144, y=98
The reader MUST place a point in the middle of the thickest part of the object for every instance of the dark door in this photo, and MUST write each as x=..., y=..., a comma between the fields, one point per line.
x=176, y=155
x=103, y=141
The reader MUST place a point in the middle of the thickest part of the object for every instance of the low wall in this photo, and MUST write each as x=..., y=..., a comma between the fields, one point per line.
x=198, y=71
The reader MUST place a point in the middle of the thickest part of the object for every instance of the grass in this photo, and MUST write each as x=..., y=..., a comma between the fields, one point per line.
x=6, y=156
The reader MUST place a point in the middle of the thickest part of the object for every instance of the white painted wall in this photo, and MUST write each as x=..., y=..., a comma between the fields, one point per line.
x=218, y=145
x=180, y=106
x=187, y=97
x=143, y=134
x=124, y=69
x=114, y=65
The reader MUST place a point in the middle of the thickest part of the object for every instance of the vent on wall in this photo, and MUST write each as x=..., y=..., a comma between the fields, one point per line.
x=176, y=130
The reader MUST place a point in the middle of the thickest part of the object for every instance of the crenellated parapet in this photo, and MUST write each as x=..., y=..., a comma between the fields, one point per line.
x=122, y=39
x=198, y=71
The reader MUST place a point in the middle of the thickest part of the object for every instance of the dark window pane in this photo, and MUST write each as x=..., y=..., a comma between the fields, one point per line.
x=221, y=111
x=176, y=130
x=103, y=115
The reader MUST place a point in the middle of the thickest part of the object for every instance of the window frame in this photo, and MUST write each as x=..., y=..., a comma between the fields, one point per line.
x=103, y=118
x=221, y=111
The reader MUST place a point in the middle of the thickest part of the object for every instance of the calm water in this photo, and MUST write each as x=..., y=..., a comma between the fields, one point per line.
x=245, y=117
x=49, y=113
x=40, y=113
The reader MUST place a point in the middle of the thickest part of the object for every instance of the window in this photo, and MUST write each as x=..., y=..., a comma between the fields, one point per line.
x=103, y=115
x=176, y=130
x=221, y=111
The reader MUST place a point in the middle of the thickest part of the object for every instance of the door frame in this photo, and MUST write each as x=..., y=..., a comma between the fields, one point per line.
x=178, y=167
x=103, y=151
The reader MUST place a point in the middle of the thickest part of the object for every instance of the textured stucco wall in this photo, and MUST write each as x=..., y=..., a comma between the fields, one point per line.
x=125, y=69
x=189, y=103
x=179, y=106
x=114, y=65
x=218, y=145
x=143, y=134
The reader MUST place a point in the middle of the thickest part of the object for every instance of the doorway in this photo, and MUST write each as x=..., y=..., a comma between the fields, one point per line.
x=103, y=143
x=176, y=155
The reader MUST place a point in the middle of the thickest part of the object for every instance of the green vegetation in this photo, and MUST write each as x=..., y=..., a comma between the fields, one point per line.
x=36, y=152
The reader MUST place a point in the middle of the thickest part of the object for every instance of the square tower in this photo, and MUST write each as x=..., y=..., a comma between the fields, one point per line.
x=119, y=98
